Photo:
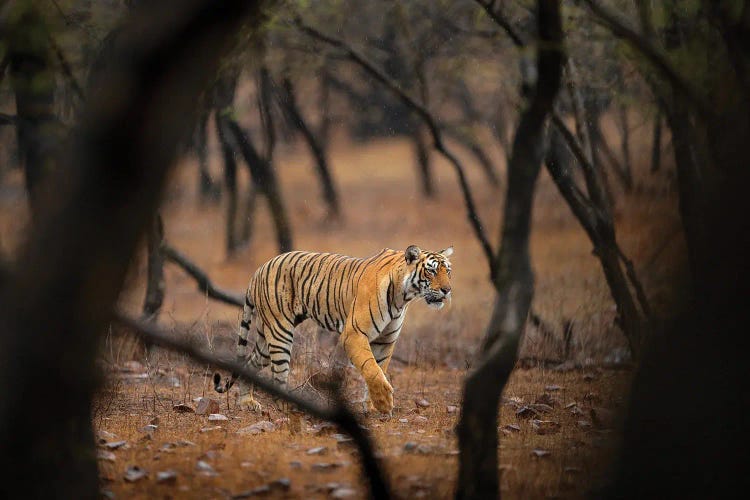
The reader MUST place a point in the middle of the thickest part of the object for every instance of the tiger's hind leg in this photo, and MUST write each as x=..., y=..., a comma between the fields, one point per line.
x=280, y=340
x=257, y=360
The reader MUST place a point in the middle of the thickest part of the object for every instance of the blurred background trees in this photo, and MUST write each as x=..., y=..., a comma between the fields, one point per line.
x=457, y=79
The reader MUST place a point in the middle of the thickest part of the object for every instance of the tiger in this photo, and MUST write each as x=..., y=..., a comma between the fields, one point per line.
x=364, y=300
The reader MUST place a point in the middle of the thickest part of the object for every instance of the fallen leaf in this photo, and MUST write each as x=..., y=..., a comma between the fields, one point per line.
x=258, y=427
x=211, y=429
x=204, y=467
x=326, y=466
x=318, y=450
x=206, y=406
x=183, y=408
x=217, y=417
x=546, y=399
x=134, y=473
x=166, y=477
x=544, y=427
x=105, y=436
x=343, y=493
x=105, y=455
x=114, y=445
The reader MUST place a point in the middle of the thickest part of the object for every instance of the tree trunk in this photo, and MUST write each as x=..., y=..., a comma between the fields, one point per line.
x=514, y=279
x=59, y=296
x=33, y=81
x=230, y=183
x=422, y=162
x=207, y=189
x=264, y=177
x=155, y=271
x=328, y=187
x=593, y=216
x=627, y=171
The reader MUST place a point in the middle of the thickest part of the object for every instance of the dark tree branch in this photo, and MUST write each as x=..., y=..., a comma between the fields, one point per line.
x=205, y=284
x=653, y=54
x=500, y=19
x=338, y=414
x=429, y=121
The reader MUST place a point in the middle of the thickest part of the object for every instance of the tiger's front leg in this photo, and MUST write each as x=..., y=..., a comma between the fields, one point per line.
x=357, y=346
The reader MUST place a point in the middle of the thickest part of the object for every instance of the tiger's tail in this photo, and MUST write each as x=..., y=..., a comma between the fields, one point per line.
x=241, y=349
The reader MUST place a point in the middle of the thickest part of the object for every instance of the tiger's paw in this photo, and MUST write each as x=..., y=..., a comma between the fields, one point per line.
x=381, y=394
x=247, y=401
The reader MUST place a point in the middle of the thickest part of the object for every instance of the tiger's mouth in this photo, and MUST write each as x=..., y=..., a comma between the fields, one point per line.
x=436, y=301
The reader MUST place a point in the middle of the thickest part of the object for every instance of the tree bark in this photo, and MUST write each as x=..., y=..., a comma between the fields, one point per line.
x=264, y=177
x=513, y=279
x=33, y=81
x=74, y=262
x=155, y=270
x=328, y=187
x=422, y=162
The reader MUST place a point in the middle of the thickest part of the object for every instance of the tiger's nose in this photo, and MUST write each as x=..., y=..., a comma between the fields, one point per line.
x=445, y=289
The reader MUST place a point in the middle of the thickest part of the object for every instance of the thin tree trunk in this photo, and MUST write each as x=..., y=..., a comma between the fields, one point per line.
x=476, y=150
x=513, y=279
x=264, y=177
x=230, y=183
x=33, y=81
x=155, y=270
x=207, y=188
x=597, y=222
x=422, y=162
x=627, y=171
x=328, y=187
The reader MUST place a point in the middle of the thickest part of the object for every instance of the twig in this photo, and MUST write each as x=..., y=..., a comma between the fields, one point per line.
x=204, y=283
x=338, y=414
x=503, y=22
x=428, y=119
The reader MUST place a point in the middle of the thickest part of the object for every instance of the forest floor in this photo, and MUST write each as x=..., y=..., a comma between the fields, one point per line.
x=578, y=403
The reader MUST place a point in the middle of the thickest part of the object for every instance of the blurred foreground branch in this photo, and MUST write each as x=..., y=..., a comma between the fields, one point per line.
x=338, y=414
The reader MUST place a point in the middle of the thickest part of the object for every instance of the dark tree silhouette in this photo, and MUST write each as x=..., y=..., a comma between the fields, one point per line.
x=513, y=279
x=86, y=231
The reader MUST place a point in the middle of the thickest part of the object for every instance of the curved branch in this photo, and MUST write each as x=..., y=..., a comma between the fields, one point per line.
x=501, y=21
x=204, y=283
x=338, y=414
x=429, y=121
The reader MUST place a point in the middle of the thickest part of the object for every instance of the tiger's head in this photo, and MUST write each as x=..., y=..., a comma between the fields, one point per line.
x=429, y=276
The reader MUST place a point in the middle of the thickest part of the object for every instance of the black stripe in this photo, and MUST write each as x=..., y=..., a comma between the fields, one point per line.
x=245, y=324
x=242, y=341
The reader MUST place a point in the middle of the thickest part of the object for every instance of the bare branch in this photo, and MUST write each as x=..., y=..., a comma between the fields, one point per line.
x=338, y=414
x=652, y=53
x=429, y=121
x=204, y=283
x=500, y=19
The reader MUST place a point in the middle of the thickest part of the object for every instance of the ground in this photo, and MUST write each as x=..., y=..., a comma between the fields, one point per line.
x=382, y=208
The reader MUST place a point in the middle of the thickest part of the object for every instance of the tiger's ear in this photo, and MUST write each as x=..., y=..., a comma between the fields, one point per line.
x=447, y=252
x=412, y=253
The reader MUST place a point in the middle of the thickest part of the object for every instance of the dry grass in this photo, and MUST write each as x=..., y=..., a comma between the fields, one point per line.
x=383, y=209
